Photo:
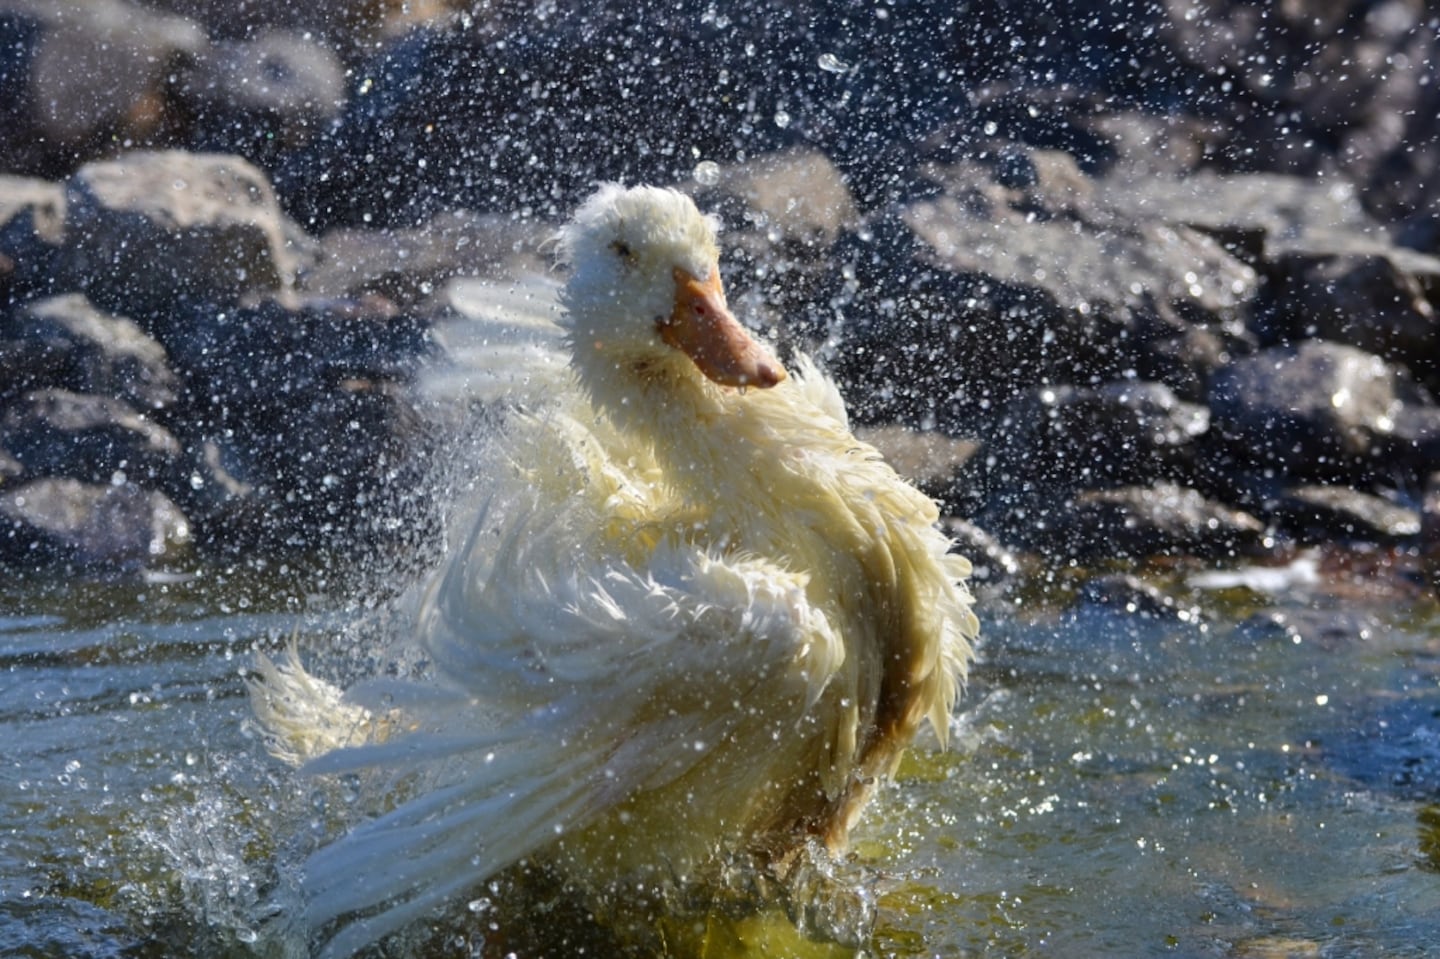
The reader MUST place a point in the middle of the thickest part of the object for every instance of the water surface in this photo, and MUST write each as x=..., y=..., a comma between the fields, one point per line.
x=1252, y=775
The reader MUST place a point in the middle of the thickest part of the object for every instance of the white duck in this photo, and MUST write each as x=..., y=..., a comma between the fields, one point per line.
x=695, y=617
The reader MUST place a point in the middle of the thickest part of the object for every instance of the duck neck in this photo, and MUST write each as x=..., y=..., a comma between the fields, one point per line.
x=703, y=435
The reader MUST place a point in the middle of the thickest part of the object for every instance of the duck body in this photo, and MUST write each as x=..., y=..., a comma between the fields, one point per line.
x=694, y=616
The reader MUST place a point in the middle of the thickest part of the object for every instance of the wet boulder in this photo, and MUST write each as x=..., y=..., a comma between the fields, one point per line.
x=1415, y=443
x=1315, y=411
x=1311, y=86
x=55, y=432
x=303, y=415
x=1186, y=360
x=1258, y=216
x=1381, y=300
x=65, y=342
x=1140, y=521
x=350, y=28
x=797, y=198
x=504, y=111
x=409, y=265
x=1393, y=148
x=1320, y=514
x=32, y=227
x=1147, y=146
x=1430, y=529
x=955, y=305
x=261, y=96
x=277, y=347
x=65, y=520
x=84, y=75
x=152, y=235
x=1130, y=595
x=1053, y=442
x=998, y=179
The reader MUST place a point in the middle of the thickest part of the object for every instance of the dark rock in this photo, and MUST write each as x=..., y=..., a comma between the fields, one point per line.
x=1259, y=216
x=1415, y=442
x=32, y=227
x=64, y=520
x=1430, y=529
x=84, y=75
x=152, y=235
x=65, y=342
x=523, y=114
x=1391, y=149
x=1420, y=232
x=262, y=96
x=1051, y=443
x=305, y=425
x=1382, y=302
x=272, y=348
x=962, y=303
x=1316, y=411
x=408, y=266
x=1139, y=521
x=507, y=109
x=100, y=439
x=1147, y=145
x=1315, y=85
x=1319, y=514
x=352, y=28
x=1186, y=361
x=1125, y=593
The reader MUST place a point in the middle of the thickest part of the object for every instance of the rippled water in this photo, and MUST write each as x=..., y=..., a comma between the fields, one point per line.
x=1255, y=777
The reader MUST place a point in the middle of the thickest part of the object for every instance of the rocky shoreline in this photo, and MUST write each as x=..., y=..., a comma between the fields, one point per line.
x=1098, y=321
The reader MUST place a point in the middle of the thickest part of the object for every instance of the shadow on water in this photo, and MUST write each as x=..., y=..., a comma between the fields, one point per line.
x=1245, y=778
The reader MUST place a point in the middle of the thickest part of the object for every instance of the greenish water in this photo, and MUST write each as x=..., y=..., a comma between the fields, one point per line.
x=1258, y=776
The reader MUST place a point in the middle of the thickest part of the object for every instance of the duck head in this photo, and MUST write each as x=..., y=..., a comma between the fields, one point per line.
x=644, y=294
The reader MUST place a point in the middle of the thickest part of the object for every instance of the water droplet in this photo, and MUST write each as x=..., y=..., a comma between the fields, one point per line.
x=830, y=63
x=706, y=173
x=782, y=119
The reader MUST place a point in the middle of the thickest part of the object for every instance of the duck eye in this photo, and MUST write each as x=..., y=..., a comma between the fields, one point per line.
x=622, y=249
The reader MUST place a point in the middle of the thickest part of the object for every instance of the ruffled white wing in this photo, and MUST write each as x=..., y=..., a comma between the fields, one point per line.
x=501, y=343
x=568, y=681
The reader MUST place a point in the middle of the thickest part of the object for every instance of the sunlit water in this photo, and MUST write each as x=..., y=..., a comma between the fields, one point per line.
x=1222, y=784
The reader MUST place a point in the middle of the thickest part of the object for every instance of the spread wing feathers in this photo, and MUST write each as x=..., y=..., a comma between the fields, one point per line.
x=502, y=343
x=565, y=684
x=303, y=716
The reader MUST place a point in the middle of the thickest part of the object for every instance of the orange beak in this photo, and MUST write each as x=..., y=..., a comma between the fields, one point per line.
x=703, y=328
